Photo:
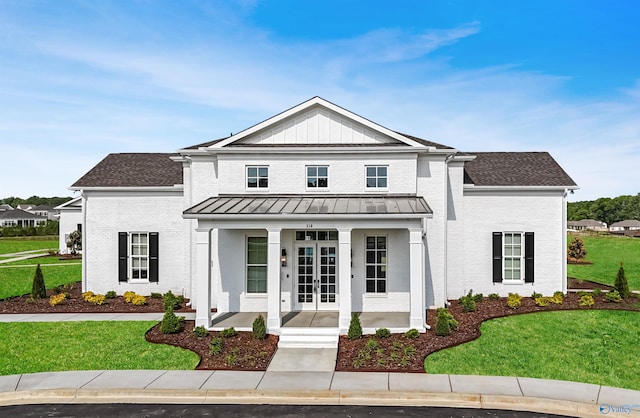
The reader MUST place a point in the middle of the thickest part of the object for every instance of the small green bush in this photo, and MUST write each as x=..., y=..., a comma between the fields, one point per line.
x=477, y=298
x=372, y=344
x=171, y=323
x=412, y=333
x=155, y=295
x=536, y=295
x=453, y=323
x=38, y=289
x=228, y=332
x=111, y=294
x=442, y=325
x=468, y=302
x=621, y=284
x=355, y=328
x=170, y=300
x=613, y=296
x=383, y=332
x=200, y=332
x=493, y=296
x=586, y=300
x=596, y=293
x=215, y=346
x=514, y=300
x=259, y=328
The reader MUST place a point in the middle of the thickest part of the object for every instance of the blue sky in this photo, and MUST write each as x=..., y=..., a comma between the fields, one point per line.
x=81, y=79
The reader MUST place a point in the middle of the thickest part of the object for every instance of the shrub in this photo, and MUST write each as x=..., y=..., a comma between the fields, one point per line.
x=155, y=295
x=38, y=289
x=259, y=328
x=215, y=346
x=412, y=333
x=228, y=332
x=57, y=299
x=171, y=323
x=536, y=295
x=97, y=299
x=128, y=295
x=514, y=300
x=542, y=301
x=87, y=295
x=383, y=332
x=493, y=296
x=596, y=293
x=477, y=298
x=446, y=314
x=442, y=325
x=557, y=298
x=613, y=296
x=170, y=300
x=621, y=284
x=586, y=300
x=200, y=332
x=138, y=300
x=111, y=294
x=576, y=249
x=355, y=328
x=468, y=302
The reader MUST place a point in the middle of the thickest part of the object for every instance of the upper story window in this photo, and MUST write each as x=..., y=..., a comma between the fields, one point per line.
x=317, y=176
x=376, y=176
x=257, y=177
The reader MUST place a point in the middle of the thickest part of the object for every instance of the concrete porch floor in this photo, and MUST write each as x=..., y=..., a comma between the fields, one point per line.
x=313, y=319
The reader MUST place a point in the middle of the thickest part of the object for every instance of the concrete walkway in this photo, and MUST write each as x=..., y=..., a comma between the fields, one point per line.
x=304, y=376
x=23, y=255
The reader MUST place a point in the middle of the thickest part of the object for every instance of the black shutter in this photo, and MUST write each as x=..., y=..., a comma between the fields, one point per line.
x=123, y=240
x=153, y=257
x=528, y=257
x=497, y=257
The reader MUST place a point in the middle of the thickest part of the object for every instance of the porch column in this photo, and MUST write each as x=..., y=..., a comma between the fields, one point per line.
x=344, y=277
x=416, y=279
x=203, y=277
x=273, y=279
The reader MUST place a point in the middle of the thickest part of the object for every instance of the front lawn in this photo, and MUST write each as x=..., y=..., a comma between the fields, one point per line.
x=30, y=347
x=607, y=252
x=16, y=280
x=14, y=245
x=591, y=346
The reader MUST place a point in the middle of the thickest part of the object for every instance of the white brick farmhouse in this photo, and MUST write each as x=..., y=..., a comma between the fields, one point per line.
x=319, y=209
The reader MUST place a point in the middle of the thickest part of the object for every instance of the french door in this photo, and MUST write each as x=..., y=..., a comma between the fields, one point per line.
x=316, y=278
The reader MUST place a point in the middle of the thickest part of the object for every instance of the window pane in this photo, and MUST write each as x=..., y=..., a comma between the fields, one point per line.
x=382, y=286
x=371, y=242
x=382, y=182
x=333, y=235
x=322, y=171
x=299, y=235
x=371, y=182
x=263, y=171
x=382, y=171
x=371, y=171
x=263, y=182
x=371, y=286
x=311, y=182
x=252, y=182
x=371, y=272
x=312, y=171
x=323, y=182
x=252, y=171
x=382, y=242
x=371, y=257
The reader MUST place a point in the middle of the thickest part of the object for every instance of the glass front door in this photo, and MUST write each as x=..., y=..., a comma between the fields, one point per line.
x=316, y=276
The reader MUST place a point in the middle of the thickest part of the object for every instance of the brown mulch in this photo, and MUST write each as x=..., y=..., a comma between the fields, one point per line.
x=573, y=283
x=75, y=304
x=468, y=330
x=242, y=352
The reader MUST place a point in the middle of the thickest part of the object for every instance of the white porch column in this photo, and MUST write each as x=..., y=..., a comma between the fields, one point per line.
x=273, y=279
x=344, y=277
x=417, y=310
x=203, y=277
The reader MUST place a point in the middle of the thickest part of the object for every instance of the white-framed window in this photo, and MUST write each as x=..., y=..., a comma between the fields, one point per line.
x=376, y=176
x=317, y=176
x=512, y=256
x=376, y=264
x=256, y=264
x=139, y=256
x=257, y=177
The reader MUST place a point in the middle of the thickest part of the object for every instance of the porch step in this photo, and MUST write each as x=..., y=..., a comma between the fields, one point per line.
x=308, y=337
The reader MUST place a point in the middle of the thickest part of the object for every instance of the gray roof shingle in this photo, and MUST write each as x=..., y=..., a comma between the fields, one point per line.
x=133, y=170
x=515, y=169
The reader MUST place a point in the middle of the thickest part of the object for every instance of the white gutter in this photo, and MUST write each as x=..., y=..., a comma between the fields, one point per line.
x=84, y=242
x=446, y=222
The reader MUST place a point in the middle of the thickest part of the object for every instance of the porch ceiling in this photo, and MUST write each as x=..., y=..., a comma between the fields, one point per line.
x=307, y=205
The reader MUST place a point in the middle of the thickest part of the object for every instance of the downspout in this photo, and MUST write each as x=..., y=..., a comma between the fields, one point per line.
x=84, y=242
x=424, y=267
x=564, y=241
x=444, y=227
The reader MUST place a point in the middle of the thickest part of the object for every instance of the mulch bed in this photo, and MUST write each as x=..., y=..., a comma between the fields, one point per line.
x=242, y=352
x=75, y=304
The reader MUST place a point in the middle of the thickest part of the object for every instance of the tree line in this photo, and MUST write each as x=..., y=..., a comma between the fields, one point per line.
x=605, y=209
x=34, y=200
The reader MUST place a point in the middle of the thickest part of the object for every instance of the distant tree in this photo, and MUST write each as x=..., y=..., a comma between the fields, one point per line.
x=74, y=242
x=621, y=284
x=38, y=289
x=576, y=249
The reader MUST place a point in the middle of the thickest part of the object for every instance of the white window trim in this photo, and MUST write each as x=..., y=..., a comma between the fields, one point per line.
x=258, y=188
x=306, y=179
x=246, y=269
x=386, y=279
x=131, y=256
x=376, y=189
x=504, y=257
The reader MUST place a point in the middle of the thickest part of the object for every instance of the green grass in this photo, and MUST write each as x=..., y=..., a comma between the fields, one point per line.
x=591, y=346
x=12, y=245
x=41, y=260
x=606, y=252
x=30, y=347
x=17, y=281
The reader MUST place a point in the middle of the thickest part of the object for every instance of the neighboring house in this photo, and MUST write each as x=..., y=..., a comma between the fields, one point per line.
x=5, y=207
x=70, y=218
x=627, y=225
x=21, y=218
x=587, y=225
x=47, y=211
x=318, y=209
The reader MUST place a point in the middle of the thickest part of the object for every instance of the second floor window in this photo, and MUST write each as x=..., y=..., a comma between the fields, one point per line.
x=257, y=177
x=376, y=176
x=317, y=176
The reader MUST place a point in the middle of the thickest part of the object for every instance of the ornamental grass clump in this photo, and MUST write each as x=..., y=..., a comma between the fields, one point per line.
x=38, y=289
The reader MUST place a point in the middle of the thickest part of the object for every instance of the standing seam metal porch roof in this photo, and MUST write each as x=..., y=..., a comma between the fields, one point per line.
x=311, y=204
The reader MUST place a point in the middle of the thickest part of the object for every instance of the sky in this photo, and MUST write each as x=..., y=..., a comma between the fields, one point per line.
x=82, y=79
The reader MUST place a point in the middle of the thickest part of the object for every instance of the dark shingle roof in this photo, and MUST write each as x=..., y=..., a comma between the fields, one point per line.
x=133, y=170
x=19, y=214
x=204, y=144
x=515, y=169
x=425, y=142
